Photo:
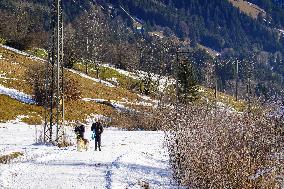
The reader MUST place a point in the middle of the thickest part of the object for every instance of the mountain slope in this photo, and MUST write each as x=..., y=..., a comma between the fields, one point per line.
x=216, y=24
x=13, y=77
x=249, y=8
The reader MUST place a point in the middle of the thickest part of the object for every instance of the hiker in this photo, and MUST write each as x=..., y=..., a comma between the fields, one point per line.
x=80, y=130
x=97, y=130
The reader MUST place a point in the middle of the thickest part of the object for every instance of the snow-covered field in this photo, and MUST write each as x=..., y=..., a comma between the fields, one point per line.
x=127, y=159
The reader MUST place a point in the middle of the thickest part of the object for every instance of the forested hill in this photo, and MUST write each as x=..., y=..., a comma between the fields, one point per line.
x=25, y=24
x=275, y=9
x=213, y=23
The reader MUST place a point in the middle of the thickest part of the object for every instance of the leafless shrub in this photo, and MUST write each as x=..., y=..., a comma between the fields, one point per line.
x=217, y=149
x=65, y=141
x=137, y=120
x=36, y=75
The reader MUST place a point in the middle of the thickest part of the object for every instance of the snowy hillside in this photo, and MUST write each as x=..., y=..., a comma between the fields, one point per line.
x=127, y=160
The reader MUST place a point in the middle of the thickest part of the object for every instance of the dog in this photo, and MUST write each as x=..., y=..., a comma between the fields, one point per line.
x=82, y=144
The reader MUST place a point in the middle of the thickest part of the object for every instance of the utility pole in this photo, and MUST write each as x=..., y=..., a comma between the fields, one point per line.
x=237, y=79
x=216, y=79
x=87, y=54
x=249, y=75
x=54, y=84
x=249, y=93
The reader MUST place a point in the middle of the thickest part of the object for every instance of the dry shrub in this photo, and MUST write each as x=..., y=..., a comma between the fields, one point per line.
x=65, y=142
x=36, y=76
x=217, y=149
x=136, y=120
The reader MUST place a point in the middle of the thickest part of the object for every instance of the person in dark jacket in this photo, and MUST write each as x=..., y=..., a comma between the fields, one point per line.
x=97, y=128
x=80, y=130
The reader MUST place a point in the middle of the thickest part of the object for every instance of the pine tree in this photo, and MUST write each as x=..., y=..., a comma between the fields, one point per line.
x=187, y=86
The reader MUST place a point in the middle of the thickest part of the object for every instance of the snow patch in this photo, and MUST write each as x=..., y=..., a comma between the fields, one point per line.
x=108, y=84
x=15, y=94
x=225, y=107
x=114, y=80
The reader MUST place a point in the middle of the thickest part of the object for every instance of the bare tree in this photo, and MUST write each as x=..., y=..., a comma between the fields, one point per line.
x=91, y=37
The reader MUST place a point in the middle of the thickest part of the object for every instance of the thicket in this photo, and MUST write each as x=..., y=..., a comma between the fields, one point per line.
x=211, y=148
x=37, y=74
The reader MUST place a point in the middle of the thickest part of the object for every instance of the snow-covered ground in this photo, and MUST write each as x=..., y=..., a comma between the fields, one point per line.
x=20, y=96
x=127, y=159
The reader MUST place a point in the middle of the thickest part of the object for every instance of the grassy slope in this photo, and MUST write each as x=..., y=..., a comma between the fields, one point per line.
x=244, y=6
x=13, y=65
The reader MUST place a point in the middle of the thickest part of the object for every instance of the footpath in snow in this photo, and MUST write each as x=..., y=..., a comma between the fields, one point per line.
x=127, y=159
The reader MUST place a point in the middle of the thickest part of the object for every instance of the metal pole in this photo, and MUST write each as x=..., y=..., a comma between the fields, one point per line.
x=87, y=54
x=62, y=63
x=216, y=80
x=177, y=64
x=237, y=78
x=58, y=68
x=52, y=71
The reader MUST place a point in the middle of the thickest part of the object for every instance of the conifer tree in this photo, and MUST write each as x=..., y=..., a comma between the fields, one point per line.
x=187, y=89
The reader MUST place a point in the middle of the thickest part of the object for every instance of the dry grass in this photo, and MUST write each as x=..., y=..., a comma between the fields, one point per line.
x=11, y=109
x=226, y=99
x=8, y=158
x=250, y=10
x=80, y=110
x=91, y=89
x=14, y=66
x=106, y=73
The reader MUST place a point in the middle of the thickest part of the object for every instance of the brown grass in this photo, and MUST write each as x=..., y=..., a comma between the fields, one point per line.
x=14, y=66
x=248, y=9
x=91, y=89
x=11, y=108
x=8, y=158
x=226, y=99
